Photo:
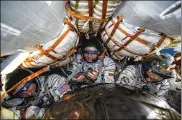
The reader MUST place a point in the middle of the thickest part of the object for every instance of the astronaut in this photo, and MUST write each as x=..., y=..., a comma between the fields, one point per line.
x=151, y=75
x=88, y=67
x=35, y=95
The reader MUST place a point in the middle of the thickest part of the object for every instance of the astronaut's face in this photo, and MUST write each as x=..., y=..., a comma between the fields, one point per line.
x=90, y=54
x=152, y=77
x=30, y=91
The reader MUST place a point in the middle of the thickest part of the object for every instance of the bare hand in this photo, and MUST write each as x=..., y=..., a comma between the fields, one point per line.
x=94, y=74
x=79, y=77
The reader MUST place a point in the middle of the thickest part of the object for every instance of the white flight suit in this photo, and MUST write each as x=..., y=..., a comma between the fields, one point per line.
x=50, y=89
x=54, y=85
x=132, y=75
x=105, y=66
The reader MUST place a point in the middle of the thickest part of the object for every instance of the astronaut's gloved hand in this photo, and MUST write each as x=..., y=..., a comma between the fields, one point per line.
x=34, y=112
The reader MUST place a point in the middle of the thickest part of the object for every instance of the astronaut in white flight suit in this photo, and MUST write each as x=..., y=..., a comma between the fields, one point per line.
x=152, y=75
x=88, y=67
x=40, y=92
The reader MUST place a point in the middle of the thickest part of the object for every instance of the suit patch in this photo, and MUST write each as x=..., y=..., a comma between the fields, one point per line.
x=62, y=89
x=111, y=74
x=111, y=70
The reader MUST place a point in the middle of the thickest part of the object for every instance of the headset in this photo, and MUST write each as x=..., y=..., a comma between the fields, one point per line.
x=147, y=67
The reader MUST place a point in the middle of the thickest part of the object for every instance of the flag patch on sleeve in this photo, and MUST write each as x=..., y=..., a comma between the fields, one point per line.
x=62, y=89
x=111, y=72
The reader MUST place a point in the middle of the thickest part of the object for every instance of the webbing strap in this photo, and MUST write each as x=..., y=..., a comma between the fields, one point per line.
x=80, y=16
x=54, y=51
x=25, y=62
x=142, y=41
x=161, y=40
x=46, y=52
x=104, y=10
x=70, y=51
x=59, y=40
x=76, y=9
x=131, y=39
x=119, y=46
x=120, y=19
x=152, y=51
x=68, y=22
x=49, y=55
x=90, y=8
x=25, y=80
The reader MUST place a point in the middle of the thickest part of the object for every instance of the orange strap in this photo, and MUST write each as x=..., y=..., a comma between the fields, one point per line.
x=120, y=19
x=152, y=51
x=49, y=55
x=54, y=51
x=68, y=22
x=144, y=42
x=80, y=16
x=161, y=40
x=90, y=8
x=70, y=51
x=46, y=52
x=30, y=59
x=76, y=10
x=131, y=39
x=26, y=64
x=25, y=80
x=58, y=41
x=128, y=35
x=123, y=48
x=104, y=9
x=113, y=23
